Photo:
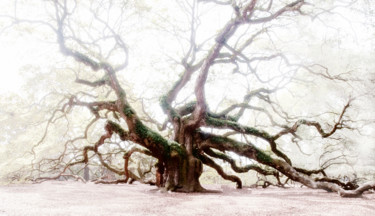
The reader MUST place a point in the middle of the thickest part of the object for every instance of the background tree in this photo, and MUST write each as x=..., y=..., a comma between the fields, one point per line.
x=238, y=85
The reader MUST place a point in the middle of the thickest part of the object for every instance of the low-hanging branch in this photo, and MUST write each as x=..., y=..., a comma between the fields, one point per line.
x=250, y=151
x=209, y=162
x=227, y=124
x=244, y=169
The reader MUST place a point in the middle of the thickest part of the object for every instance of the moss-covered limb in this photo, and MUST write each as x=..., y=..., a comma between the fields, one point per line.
x=237, y=169
x=228, y=124
x=209, y=162
x=243, y=149
x=116, y=128
x=224, y=117
x=146, y=137
x=227, y=144
x=219, y=123
x=187, y=108
x=155, y=142
x=223, y=143
x=128, y=111
x=168, y=109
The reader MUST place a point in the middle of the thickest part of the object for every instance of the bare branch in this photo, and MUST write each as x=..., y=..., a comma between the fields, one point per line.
x=338, y=125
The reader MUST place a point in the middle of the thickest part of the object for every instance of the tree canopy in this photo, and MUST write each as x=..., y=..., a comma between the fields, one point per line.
x=285, y=85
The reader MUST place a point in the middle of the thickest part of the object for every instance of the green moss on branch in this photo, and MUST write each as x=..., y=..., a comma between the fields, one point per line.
x=156, y=139
x=167, y=108
x=118, y=129
x=187, y=108
x=220, y=123
x=263, y=157
x=223, y=141
x=232, y=145
x=128, y=111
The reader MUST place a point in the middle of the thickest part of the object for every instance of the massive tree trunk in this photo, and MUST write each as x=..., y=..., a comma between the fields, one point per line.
x=180, y=170
x=182, y=173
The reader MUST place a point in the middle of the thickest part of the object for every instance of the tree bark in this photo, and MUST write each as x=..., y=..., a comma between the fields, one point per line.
x=182, y=168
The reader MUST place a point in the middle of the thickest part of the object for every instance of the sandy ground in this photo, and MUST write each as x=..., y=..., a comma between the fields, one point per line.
x=74, y=198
